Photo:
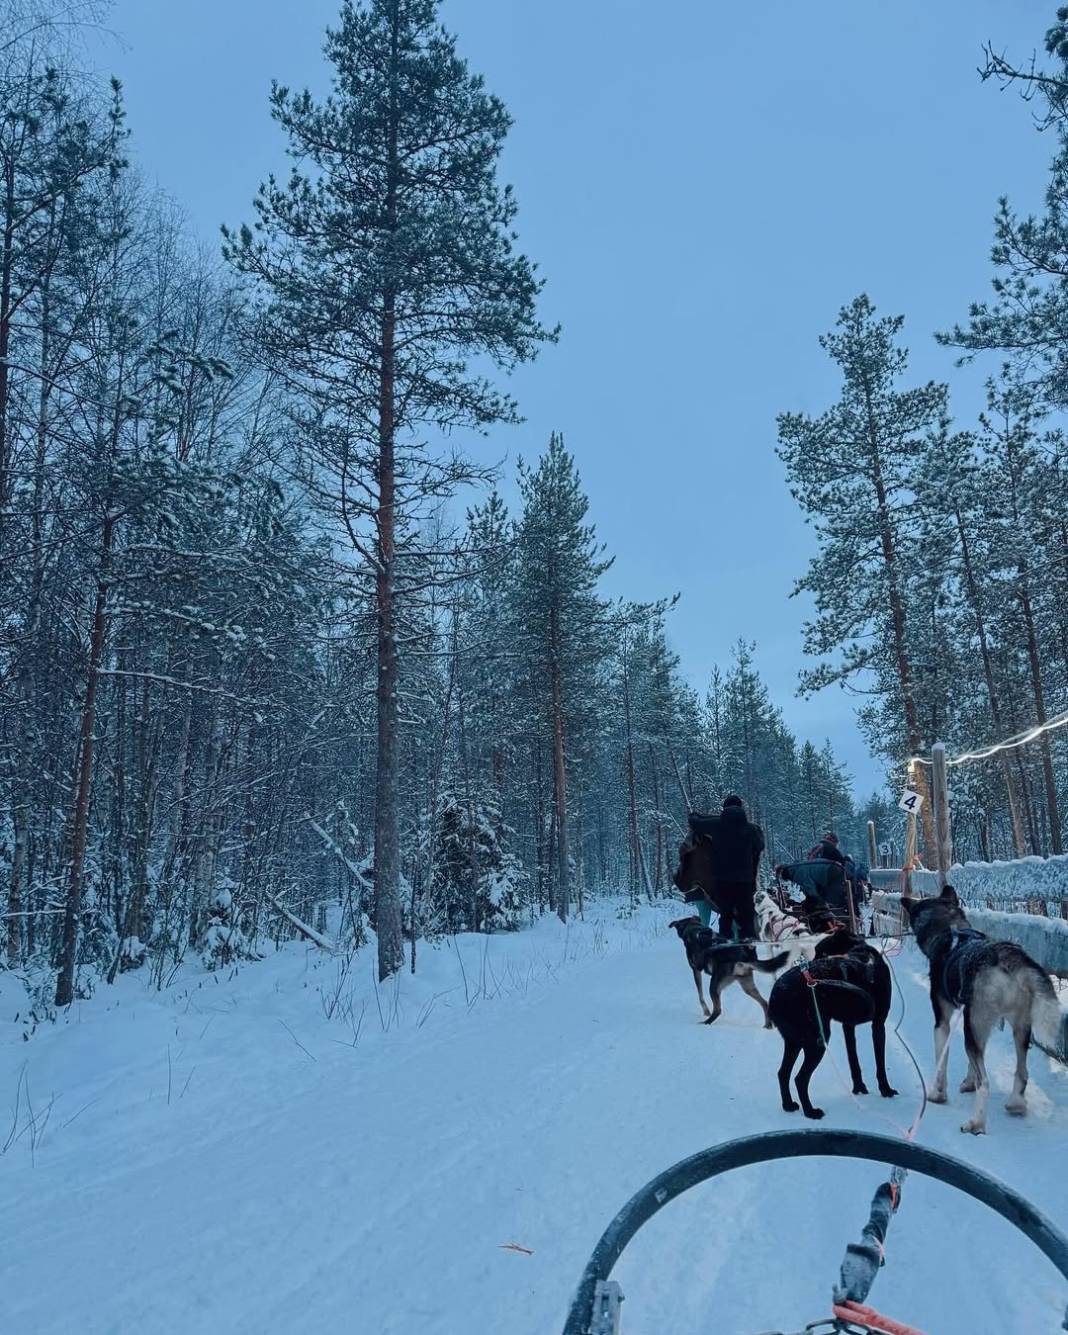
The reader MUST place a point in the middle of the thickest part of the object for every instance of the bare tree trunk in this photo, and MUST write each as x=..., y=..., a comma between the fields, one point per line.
x=387, y=836
x=635, y=842
x=7, y=260
x=1040, y=712
x=563, y=901
x=991, y=686
x=80, y=816
x=1028, y=805
x=473, y=915
x=897, y=616
x=658, y=864
x=387, y=840
x=540, y=856
x=14, y=890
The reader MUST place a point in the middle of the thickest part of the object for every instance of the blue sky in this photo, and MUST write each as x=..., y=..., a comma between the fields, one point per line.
x=703, y=186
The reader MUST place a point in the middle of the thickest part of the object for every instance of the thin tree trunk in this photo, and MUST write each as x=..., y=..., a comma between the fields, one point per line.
x=6, y=275
x=635, y=843
x=473, y=915
x=897, y=616
x=991, y=686
x=658, y=864
x=387, y=837
x=80, y=817
x=14, y=890
x=1040, y=712
x=540, y=858
x=563, y=902
x=387, y=856
x=1028, y=805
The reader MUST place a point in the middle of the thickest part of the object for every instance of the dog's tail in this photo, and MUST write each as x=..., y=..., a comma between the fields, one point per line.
x=774, y=964
x=1048, y=1021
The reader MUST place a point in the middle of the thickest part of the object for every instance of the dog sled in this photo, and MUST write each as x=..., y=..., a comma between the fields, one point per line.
x=597, y=1305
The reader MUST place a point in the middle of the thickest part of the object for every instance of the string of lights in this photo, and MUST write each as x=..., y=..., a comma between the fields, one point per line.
x=1021, y=739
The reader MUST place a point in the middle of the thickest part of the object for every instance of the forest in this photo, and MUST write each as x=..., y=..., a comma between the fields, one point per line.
x=271, y=645
x=940, y=581
x=370, y=643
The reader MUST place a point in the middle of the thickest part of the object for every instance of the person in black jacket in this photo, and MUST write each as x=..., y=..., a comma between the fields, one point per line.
x=736, y=848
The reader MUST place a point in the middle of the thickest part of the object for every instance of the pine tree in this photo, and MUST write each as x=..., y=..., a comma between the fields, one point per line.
x=1012, y=476
x=851, y=471
x=559, y=564
x=390, y=264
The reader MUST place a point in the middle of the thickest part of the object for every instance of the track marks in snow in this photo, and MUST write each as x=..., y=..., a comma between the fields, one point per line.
x=372, y=1188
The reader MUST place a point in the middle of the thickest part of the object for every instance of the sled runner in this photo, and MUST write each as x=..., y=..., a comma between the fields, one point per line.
x=596, y=1309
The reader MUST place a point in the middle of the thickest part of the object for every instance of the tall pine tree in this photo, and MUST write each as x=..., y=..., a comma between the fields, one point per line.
x=851, y=471
x=389, y=260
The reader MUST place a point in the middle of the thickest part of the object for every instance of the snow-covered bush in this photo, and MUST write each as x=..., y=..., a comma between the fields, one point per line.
x=478, y=885
x=224, y=941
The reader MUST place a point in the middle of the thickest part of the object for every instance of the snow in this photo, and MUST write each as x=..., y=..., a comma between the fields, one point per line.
x=1044, y=939
x=1020, y=878
x=222, y=1156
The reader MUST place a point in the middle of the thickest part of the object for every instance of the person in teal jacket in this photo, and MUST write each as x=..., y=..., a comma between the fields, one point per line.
x=819, y=877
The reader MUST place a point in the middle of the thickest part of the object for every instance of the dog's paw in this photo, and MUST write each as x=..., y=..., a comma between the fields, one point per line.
x=768, y=1024
x=937, y=1096
x=791, y=1106
x=973, y=1127
x=1016, y=1106
x=711, y=1019
x=860, y=1087
x=967, y=1085
x=888, y=1092
x=814, y=1114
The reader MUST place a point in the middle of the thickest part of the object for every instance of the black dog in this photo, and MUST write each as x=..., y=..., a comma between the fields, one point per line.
x=725, y=962
x=848, y=981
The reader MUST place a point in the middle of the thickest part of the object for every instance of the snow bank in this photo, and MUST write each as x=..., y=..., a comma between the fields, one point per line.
x=1003, y=882
x=341, y=987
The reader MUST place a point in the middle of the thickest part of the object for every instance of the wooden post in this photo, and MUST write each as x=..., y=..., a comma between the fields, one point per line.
x=873, y=847
x=851, y=906
x=940, y=799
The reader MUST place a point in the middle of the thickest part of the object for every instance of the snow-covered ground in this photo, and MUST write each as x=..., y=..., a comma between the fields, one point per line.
x=223, y=1157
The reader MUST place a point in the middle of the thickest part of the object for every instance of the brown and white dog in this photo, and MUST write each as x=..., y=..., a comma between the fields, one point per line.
x=724, y=962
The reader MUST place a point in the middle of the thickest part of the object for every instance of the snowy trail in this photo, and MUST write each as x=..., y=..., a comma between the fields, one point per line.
x=294, y=1185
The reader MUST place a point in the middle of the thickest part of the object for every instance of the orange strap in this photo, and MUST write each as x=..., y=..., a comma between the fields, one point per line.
x=850, y=1311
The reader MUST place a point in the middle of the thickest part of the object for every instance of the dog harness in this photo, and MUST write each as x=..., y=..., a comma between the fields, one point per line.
x=842, y=982
x=965, y=949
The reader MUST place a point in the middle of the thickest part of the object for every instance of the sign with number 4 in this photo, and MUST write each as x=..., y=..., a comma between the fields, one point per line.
x=911, y=801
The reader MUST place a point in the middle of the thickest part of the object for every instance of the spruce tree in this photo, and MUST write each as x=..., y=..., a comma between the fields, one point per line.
x=390, y=265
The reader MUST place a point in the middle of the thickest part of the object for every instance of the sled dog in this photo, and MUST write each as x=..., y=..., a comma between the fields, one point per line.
x=782, y=927
x=724, y=962
x=848, y=981
x=991, y=980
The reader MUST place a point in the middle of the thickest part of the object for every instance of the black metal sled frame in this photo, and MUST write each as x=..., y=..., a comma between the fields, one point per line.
x=596, y=1303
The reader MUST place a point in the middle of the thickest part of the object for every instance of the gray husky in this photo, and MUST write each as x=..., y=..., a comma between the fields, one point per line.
x=992, y=980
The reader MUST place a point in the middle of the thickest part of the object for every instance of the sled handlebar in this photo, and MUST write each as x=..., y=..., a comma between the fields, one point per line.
x=809, y=1143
